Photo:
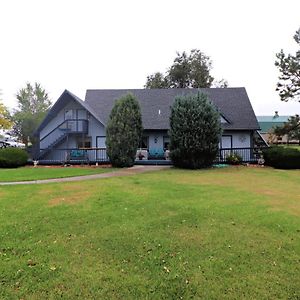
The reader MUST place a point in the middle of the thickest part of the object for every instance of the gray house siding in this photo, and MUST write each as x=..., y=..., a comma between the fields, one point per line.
x=95, y=129
x=240, y=139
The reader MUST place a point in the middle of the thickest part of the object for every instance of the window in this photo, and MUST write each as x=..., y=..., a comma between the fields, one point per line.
x=81, y=114
x=144, y=142
x=226, y=141
x=100, y=142
x=69, y=114
x=84, y=142
x=166, y=143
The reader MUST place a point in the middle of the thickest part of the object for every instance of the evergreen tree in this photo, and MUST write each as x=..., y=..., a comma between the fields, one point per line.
x=124, y=131
x=289, y=68
x=291, y=128
x=195, y=130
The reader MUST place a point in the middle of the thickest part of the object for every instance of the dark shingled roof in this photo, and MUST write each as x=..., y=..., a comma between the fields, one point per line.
x=233, y=104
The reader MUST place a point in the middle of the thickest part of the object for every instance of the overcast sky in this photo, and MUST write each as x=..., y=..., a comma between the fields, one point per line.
x=78, y=45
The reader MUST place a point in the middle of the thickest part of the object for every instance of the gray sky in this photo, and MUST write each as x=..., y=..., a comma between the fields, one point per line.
x=77, y=45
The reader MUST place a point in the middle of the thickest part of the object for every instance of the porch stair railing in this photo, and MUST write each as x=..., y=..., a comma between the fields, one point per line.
x=60, y=133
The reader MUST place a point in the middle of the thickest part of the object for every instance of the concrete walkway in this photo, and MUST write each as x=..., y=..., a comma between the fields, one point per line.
x=122, y=172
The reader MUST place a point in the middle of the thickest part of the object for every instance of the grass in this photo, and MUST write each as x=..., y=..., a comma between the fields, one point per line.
x=31, y=173
x=290, y=146
x=231, y=233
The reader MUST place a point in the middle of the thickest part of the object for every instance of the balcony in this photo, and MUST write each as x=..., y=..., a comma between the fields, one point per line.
x=74, y=126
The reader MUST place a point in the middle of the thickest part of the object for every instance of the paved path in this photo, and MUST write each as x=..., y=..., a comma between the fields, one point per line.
x=123, y=172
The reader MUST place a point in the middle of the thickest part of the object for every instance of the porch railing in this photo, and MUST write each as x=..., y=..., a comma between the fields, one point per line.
x=75, y=155
x=248, y=155
x=93, y=155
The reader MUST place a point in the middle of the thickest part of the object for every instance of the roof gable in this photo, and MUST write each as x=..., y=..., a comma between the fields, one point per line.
x=233, y=104
x=65, y=97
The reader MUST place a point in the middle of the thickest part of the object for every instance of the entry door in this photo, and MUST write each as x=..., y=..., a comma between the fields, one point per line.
x=226, y=141
x=100, y=143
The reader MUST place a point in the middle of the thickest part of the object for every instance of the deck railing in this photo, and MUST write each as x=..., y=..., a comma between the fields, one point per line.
x=90, y=155
x=248, y=155
x=93, y=155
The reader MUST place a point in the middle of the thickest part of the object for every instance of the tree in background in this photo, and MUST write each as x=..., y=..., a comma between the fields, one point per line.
x=195, y=131
x=5, y=122
x=289, y=68
x=124, y=131
x=291, y=128
x=222, y=83
x=33, y=104
x=188, y=71
x=157, y=81
x=179, y=73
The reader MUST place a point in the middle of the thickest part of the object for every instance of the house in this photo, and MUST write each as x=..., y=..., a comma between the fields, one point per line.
x=75, y=129
x=267, y=125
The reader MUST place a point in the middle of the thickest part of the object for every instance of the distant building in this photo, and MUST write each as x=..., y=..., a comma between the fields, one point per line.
x=267, y=125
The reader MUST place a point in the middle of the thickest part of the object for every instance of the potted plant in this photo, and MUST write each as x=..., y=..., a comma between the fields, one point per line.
x=140, y=155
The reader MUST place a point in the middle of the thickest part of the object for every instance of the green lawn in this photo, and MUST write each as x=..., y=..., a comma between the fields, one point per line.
x=231, y=233
x=31, y=173
x=290, y=146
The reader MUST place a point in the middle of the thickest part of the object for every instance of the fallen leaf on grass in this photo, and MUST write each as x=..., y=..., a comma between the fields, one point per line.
x=166, y=269
x=31, y=263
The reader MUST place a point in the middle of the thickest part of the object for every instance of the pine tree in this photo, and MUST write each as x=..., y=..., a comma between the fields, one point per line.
x=124, y=131
x=289, y=68
x=195, y=130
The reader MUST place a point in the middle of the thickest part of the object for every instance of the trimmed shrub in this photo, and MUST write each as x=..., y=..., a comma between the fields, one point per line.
x=124, y=131
x=282, y=158
x=234, y=158
x=195, y=131
x=13, y=157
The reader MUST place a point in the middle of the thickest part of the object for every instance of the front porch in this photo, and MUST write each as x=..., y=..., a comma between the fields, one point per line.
x=99, y=155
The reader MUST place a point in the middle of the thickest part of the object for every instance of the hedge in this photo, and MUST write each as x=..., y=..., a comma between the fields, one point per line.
x=282, y=158
x=13, y=157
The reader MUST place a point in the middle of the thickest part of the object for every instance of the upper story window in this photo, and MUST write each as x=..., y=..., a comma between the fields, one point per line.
x=69, y=114
x=144, y=142
x=78, y=114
